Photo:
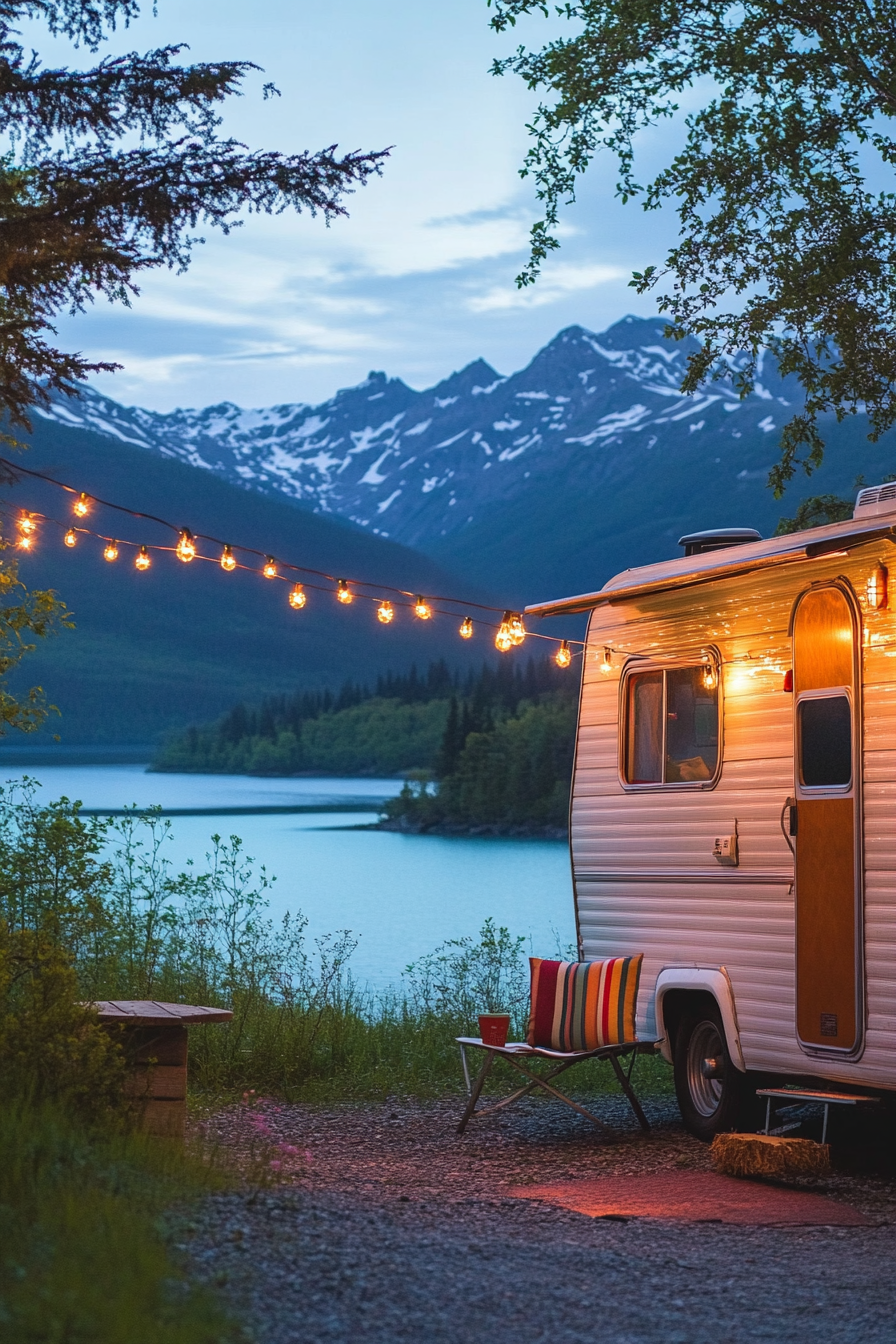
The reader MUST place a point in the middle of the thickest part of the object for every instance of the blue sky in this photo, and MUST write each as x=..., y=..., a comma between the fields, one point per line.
x=419, y=280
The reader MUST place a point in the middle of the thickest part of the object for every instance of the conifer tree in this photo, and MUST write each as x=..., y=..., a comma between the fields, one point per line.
x=110, y=171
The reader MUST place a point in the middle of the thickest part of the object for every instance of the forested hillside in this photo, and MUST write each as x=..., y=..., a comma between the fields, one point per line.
x=488, y=750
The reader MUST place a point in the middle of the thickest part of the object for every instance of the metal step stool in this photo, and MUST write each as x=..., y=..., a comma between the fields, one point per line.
x=796, y=1094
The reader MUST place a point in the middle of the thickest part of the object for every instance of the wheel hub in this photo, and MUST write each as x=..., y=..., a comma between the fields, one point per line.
x=706, y=1068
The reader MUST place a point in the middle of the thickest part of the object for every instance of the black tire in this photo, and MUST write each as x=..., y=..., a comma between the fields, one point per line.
x=710, y=1103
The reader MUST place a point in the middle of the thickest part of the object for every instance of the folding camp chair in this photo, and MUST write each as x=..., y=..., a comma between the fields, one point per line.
x=517, y=1051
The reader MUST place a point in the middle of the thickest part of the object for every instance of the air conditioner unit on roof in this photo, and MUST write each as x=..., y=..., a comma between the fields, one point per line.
x=876, y=499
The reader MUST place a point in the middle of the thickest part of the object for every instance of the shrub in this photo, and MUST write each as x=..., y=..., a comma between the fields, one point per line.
x=52, y=1046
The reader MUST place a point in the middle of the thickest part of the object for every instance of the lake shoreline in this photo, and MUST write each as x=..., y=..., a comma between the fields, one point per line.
x=479, y=830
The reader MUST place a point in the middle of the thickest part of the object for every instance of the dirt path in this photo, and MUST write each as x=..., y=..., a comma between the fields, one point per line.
x=395, y=1229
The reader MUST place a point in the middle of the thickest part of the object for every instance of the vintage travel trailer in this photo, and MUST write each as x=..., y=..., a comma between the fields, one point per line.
x=733, y=810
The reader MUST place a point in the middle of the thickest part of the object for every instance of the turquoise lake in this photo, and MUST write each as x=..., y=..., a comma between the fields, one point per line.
x=399, y=895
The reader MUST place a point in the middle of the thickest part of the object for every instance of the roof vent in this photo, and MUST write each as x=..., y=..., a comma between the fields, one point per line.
x=874, y=500
x=695, y=543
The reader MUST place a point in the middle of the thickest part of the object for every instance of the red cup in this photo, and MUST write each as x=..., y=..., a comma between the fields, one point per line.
x=493, y=1028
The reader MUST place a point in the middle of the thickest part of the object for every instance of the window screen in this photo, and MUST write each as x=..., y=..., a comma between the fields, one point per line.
x=672, y=727
x=825, y=738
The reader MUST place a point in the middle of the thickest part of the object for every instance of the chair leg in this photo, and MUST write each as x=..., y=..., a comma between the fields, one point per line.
x=561, y=1096
x=629, y=1092
x=477, y=1089
x=521, y=1091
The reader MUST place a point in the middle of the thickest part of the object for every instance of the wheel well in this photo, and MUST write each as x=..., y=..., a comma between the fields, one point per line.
x=677, y=1003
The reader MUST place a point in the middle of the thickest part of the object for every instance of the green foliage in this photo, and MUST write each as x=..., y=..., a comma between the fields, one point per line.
x=51, y=1045
x=815, y=512
x=463, y=978
x=380, y=737
x=105, y=915
x=24, y=617
x=82, y=1256
x=109, y=173
x=782, y=181
x=514, y=774
x=404, y=724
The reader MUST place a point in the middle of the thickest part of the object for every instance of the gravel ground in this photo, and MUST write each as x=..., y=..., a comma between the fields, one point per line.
x=388, y=1227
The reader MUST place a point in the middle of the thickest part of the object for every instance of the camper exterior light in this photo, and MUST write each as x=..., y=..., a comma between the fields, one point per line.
x=876, y=588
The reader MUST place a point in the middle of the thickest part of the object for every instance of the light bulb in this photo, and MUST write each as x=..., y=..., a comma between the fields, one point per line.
x=270, y=568
x=186, y=547
x=27, y=525
x=504, y=637
x=111, y=551
x=466, y=628
x=876, y=588
x=563, y=656
x=81, y=505
x=71, y=537
x=517, y=629
x=343, y=593
x=607, y=665
x=142, y=560
x=710, y=677
x=25, y=543
x=422, y=609
x=298, y=597
x=227, y=560
x=385, y=613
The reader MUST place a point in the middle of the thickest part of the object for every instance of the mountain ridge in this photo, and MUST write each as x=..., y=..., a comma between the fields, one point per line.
x=546, y=480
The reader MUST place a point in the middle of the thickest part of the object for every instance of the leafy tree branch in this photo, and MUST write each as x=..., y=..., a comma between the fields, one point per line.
x=783, y=181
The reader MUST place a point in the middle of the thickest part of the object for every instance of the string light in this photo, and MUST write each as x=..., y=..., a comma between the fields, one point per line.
x=504, y=637
x=186, y=547
x=607, y=665
x=710, y=676
x=511, y=632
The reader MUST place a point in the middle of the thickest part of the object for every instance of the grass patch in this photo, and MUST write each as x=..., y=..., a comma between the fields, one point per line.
x=84, y=1257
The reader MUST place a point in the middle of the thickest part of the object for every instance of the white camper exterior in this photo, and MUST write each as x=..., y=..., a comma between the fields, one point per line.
x=764, y=952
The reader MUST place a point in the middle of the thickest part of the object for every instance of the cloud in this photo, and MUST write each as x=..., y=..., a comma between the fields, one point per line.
x=559, y=283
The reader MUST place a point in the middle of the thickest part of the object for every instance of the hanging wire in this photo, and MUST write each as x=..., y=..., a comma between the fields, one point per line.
x=415, y=603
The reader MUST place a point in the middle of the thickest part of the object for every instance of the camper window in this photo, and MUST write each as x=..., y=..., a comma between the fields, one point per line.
x=825, y=738
x=671, y=727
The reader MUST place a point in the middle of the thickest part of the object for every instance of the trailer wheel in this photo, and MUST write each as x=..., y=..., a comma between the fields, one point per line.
x=711, y=1091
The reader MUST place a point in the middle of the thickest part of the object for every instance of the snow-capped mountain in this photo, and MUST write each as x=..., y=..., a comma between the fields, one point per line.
x=421, y=467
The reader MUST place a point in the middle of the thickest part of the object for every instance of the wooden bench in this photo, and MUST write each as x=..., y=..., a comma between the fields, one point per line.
x=517, y=1051
x=154, y=1039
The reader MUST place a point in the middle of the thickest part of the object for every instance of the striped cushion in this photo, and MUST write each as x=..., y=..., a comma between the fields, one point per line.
x=582, y=1005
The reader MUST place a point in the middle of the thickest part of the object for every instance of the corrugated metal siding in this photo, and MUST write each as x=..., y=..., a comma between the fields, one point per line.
x=742, y=919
